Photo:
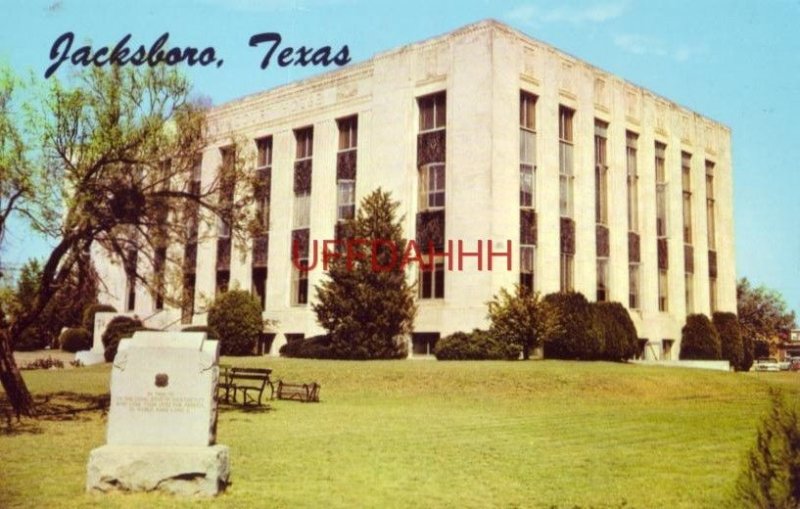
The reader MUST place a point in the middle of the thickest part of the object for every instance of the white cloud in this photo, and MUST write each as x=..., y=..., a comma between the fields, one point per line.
x=597, y=12
x=638, y=44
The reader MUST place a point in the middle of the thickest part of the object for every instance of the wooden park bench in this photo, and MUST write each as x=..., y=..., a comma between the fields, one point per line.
x=224, y=383
x=250, y=382
x=299, y=392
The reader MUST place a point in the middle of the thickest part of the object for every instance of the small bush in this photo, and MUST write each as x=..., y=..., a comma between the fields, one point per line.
x=771, y=474
x=236, y=317
x=210, y=334
x=118, y=328
x=45, y=363
x=699, y=339
x=315, y=347
x=75, y=339
x=730, y=337
x=87, y=319
x=477, y=345
x=613, y=329
x=572, y=340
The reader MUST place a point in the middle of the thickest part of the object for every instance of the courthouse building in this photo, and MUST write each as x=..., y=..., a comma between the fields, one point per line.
x=484, y=135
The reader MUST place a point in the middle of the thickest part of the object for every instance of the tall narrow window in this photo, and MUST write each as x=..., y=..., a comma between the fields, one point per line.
x=567, y=272
x=601, y=171
x=346, y=168
x=663, y=291
x=602, y=279
x=527, y=189
x=633, y=287
x=632, y=188
x=661, y=190
x=159, y=262
x=432, y=112
x=631, y=143
x=301, y=213
x=227, y=185
x=263, y=177
x=712, y=236
x=710, y=213
x=262, y=194
x=346, y=199
x=689, y=289
x=431, y=164
x=190, y=249
x=566, y=162
x=712, y=294
x=686, y=181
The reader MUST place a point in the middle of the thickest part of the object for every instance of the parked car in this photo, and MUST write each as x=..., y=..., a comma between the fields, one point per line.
x=795, y=364
x=785, y=364
x=766, y=364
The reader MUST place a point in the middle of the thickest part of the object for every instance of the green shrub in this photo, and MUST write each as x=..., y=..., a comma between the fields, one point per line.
x=522, y=318
x=730, y=337
x=119, y=328
x=573, y=339
x=477, y=345
x=315, y=347
x=75, y=339
x=45, y=363
x=699, y=339
x=771, y=474
x=613, y=329
x=89, y=311
x=236, y=317
x=210, y=334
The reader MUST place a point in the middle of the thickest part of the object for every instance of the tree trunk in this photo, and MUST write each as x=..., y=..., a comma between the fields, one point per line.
x=16, y=390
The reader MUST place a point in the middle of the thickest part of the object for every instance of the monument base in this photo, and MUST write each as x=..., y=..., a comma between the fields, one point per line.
x=90, y=357
x=185, y=471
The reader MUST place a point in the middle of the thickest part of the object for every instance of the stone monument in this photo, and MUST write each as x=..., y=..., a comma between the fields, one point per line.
x=162, y=419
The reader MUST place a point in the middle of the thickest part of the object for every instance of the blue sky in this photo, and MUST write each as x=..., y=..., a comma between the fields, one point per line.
x=734, y=61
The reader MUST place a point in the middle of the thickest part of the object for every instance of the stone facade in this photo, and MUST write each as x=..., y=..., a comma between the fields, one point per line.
x=482, y=69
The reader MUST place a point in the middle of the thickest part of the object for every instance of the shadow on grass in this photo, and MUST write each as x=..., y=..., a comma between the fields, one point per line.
x=225, y=408
x=56, y=406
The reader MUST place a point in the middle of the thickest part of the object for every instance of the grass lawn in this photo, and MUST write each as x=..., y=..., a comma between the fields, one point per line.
x=435, y=434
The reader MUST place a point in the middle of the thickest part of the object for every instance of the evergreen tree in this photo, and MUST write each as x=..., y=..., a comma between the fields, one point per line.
x=699, y=339
x=366, y=304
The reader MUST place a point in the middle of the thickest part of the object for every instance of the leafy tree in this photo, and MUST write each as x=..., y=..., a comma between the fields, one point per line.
x=771, y=475
x=573, y=339
x=732, y=346
x=366, y=310
x=613, y=328
x=523, y=319
x=699, y=339
x=116, y=148
x=235, y=318
x=763, y=315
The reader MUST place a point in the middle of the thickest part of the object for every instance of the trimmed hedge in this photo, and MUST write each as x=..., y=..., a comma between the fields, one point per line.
x=314, y=347
x=477, y=345
x=118, y=328
x=236, y=317
x=731, y=343
x=75, y=339
x=613, y=331
x=573, y=340
x=87, y=319
x=699, y=339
